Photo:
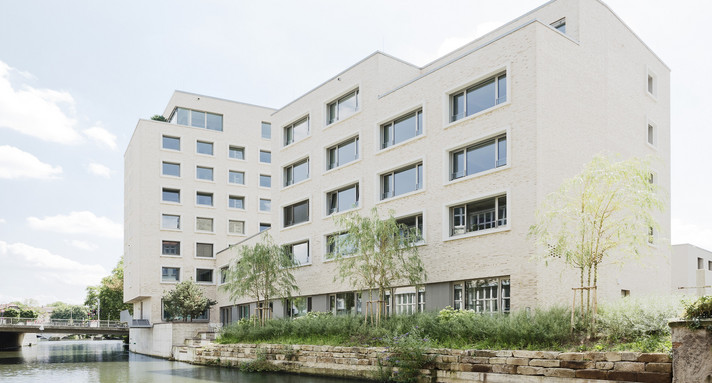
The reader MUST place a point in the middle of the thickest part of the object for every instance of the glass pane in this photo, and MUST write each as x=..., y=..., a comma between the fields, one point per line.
x=266, y=130
x=237, y=153
x=170, y=222
x=419, y=130
x=170, y=195
x=332, y=112
x=405, y=128
x=204, y=173
x=480, y=158
x=301, y=130
x=205, y=147
x=170, y=274
x=502, y=152
x=332, y=158
x=300, y=253
x=386, y=136
x=170, y=169
x=205, y=199
x=182, y=116
x=215, y=122
x=404, y=181
x=301, y=212
x=236, y=227
x=236, y=177
x=458, y=107
x=348, y=105
x=204, y=224
x=501, y=89
x=301, y=171
x=203, y=275
x=237, y=202
x=347, y=152
x=197, y=119
x=458, y=165
x=265, y=156
x=265, y=181
x=265, y=205
x=347, y=199
x=204, y=250
x=172, y=143
x=386, y=184
x=481, y=97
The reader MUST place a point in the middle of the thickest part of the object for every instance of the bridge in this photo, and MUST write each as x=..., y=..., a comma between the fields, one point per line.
x=12, y=330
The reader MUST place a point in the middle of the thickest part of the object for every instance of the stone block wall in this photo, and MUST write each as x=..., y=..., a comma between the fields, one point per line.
x=692, y=350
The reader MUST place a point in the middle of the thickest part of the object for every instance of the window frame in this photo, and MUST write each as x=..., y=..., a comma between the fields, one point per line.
x=259, y=207
x=465, y=149
x=244, y=227
x=420, y=180
x=651, y=79
x=229, y=173
x=268, y=176
x=178, y=228
x=651, y=124
x=212, y=225
x=176, y=245
x=232, y=197
x=197, y=172
x=479, y=81
x=199, y=194
x=268, y=153
x=449, y=227
x=212, y=148
x=163, y=143
x=173, y=192
x=171, y=267
x=291, y=206
x=330, y=120
x=328, y=211
x=289, y=248
x=288, y=172
x=236, y=149
x=173, y=119
x=559, y=25
x=355, y=139
x=163, y=173
x=264, y=124
x=212, y=275
x=197, y=251
x=288, y=131
x=390, y=125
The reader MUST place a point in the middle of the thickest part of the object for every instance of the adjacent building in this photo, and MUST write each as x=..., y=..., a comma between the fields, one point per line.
x=691, y=270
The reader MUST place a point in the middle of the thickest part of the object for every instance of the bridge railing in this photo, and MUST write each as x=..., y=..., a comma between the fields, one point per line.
x=63, y=322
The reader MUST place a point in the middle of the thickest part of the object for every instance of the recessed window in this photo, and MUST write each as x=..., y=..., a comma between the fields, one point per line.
x=169, y=221
x=700, y=263
x=236, y=152
x=236, y=227
x=204, y=147
x=235, y=177
x=296, y=131
x=485, y=155
x=342, y=199
x=478, y=97
x=412, y=227
x=265, y=157
x=338, y=244
x=709, y=265
x=296, y=172
x=265, y=204
x=204, y=250
x=652, y=84
x=236, y=202
x=651, y=135
x=265, y=181
x=204, y=275
x=204, y=224
x=296, y=213
x=402, y=129
x=204, y=173
x=205, y=199
x=264, y=226
x=171, y=143
x=342, y=153
x=560, y=25
x=171, y=195
x=488, y=295
x=651, y=235
x=478, y=215
x=625, y=293
x=197, y=119
x=343, y=107
x=170, y=248
x=299, y=253
x=266, y=130
x=170, y=274
x=171, y=169
x=401, y=181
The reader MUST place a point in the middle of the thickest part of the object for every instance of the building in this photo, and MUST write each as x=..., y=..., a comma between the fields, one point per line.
x=463, y=149
x=691, y=270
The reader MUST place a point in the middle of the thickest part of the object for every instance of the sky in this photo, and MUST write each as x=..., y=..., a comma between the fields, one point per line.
x=75, y=77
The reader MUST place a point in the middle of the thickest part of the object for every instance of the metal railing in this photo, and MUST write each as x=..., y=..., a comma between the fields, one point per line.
x=62, y=322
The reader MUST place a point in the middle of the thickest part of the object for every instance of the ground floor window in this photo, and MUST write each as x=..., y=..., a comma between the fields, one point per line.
x=226, y=315
x=298, y=307
x=487, y=295
x=409, y=300
x=342, y=303
x=243, y=312
x=169, y=316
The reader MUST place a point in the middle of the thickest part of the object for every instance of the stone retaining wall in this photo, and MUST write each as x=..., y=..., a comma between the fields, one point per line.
x=450, y=365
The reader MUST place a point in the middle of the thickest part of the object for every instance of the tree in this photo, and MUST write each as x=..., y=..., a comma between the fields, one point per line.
x=382, y=254
x=186, y=301
x=606, y=209
x=263, y=272
x=65, y=311
x=158, y=117
x=107, y=298
x=28, y=313
x=11, y=313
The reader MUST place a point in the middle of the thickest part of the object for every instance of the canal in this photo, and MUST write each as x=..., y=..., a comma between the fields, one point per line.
x=108, y=362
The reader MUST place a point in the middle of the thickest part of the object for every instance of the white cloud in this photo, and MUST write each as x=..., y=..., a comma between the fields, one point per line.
x=15, y=163
x=78, y=222
x=82, y=245
x=700, y=236
x=50, y=267
x=2, y=220
x=41, y=113
x=101, y=136
x=99, y=170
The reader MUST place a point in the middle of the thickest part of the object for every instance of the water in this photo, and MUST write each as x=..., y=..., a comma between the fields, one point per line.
x=108, y=362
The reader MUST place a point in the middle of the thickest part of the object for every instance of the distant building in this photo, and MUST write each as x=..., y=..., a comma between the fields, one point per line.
x=691, y=270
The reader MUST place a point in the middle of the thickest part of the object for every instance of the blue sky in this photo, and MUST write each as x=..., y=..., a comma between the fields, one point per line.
x=75, y=76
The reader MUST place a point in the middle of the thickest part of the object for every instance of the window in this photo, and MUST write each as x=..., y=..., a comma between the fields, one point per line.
x=478, y=215
x=296, y=172
x=265, y=181
x=478, y=97
x=205, y=199
x=236, y=227
x=625, y=293
x=342, y=199
x=487, y=295
x=343, y=107
x=203, y=173
x=204, y=147
x=700, y=263
x=560, y=25
x=197, y=119
x=343, y=153
x=170, y=248
x=296, y=213
x=169, y=221
x=265, y=226
x=171, y=143
x=204, y=224
x=299, y=253
x=342, y=303
x=236, y=152
x=402, y=181
x=265, y=204
x=652, y=84
x=406, y=303
x=204, y=275
x=223, y=275
x=243, y=311
x=651, y=235
x=236, y=202
x=709, y=265
x=169, y=316
x=265, y=156
x=401, y=129
x=235, y=177
x=170, y=274
x=338, y=244
x=651, y=134
x=266, y=130
x=171, y=169
x=458, y=297
x=479, y=157
x=171, y=195
x=298, y=307
x=204, y=250
x=412, y=227
x=296, y=131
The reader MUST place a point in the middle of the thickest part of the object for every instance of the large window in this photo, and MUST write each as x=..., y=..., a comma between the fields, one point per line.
x=479, y=157
x=342, y=303
x=171, y=169
x=342, y=199
x=171, y=143
x=478, y=215
x=299, y=253
x=296, y=172
x=204, y=173
x=265, y=181
x=204, y=224
x=343, y=107
x=401, y=181
x=342, y=153
x=204, y=250
x=197, y=119
x=236, y=227
x=236, y=202
x=478, y=97
x=265, y=204
x=488, y=295
x=170, y=248
x=236, y=152
x=296, y=131
x=266, y=130
x=223, y=274
x=235, y=177
x=296, y=213
x=170, y=195
x=412, y=227
x=170, y=274
x=408, y=301
x=298, y=307
x=265, y=156
x=401, y=129
x=204, y=199
x=169, y=221
x=204, y=275
x=338, y=244
x=204, y=147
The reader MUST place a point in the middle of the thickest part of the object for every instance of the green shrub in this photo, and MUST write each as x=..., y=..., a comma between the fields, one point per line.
x=408, y=354
x=631, y=318
x=700, y=308
x=11, y=313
